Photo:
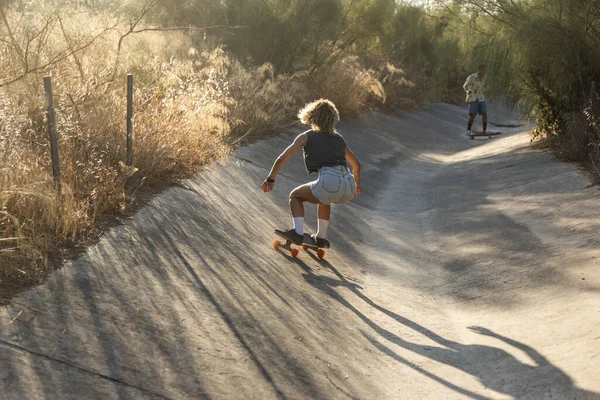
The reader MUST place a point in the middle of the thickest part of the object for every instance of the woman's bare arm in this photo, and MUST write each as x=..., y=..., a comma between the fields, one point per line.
x=292, y=149
x=353, y=161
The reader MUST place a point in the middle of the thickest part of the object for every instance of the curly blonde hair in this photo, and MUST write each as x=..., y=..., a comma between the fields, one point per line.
x=321, y=115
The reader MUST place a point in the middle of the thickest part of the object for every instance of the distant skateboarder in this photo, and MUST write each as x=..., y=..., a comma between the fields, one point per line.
x=325, y=152
x=477, y=88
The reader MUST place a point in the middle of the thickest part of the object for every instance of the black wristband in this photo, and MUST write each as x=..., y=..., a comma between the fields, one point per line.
x=270, y=180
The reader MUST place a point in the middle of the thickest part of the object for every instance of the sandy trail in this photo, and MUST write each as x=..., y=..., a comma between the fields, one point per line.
x=468, y=269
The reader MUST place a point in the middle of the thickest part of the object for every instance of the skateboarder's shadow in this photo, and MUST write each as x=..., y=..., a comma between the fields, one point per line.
x=319, y=281
x=495, y=368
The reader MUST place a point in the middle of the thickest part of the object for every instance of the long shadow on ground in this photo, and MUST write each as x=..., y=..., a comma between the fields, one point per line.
x=494, y=367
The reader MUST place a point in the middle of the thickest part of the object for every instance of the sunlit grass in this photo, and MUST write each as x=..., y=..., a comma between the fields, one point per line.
x=190, y=108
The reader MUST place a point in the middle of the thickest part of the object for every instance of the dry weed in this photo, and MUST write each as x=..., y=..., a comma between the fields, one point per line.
x=190, y=108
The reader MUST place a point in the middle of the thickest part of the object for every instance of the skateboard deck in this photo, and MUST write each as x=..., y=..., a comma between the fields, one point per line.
x=488, y=134
x=286, y=244
x=309, y=243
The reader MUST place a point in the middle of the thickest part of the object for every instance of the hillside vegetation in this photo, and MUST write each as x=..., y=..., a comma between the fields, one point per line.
x=209, y=75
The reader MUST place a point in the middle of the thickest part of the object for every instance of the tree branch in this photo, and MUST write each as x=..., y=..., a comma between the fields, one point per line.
x=53, y=61
x=12, y=38
x=145, y=10
x=214, y=27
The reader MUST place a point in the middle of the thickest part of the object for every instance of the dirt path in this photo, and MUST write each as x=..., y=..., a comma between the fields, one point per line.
x=468, y=269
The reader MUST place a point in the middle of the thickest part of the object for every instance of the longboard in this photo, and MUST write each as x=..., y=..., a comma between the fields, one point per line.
x=287, y=245
x=309, y=243
x=488, y=134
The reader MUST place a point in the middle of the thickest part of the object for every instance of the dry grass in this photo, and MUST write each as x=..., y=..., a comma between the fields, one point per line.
x=181, y=121
x=400, y=92
x=579, y=140
x=351, y=87
x=190, y=108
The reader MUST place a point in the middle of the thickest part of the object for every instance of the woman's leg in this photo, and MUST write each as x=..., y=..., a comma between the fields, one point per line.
x=297, y=199
x=324, y=213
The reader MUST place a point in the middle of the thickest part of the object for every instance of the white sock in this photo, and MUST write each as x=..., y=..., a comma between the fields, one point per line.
x=299, y=225
x=322, y=225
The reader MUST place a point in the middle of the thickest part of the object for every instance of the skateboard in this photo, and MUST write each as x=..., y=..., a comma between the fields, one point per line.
x=488, y=134
x=306, y=244
x=287, y=245
x=309, y=243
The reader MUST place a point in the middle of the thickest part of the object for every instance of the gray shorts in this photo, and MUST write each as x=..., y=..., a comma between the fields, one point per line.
x=477, y=107
x=334, y=185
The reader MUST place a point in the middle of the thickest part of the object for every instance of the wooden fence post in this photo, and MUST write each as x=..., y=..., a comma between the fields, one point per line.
x=129, y=119
x=52, y=134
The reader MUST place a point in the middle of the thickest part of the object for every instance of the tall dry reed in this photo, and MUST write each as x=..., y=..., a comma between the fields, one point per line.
x=190, y=106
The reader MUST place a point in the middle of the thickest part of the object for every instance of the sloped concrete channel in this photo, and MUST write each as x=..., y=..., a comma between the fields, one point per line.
x=467, y=270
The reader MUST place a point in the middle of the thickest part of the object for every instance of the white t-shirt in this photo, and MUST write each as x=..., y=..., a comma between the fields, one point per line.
x=476, y=88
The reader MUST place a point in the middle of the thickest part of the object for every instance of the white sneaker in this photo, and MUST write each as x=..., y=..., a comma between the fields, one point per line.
x=468, y=133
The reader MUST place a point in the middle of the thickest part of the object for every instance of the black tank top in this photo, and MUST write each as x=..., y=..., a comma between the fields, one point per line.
x=323, y=150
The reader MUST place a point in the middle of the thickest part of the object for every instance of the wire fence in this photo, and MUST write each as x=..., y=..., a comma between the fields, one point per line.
x=54, y=135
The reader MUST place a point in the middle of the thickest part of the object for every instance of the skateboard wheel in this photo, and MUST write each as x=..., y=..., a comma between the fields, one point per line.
x=321, y=253
x=304, y=247
x=276, y=244
x=471, y=137
x=295, y=252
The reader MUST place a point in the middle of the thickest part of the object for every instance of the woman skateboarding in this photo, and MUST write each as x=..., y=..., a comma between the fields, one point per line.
x=325, y=152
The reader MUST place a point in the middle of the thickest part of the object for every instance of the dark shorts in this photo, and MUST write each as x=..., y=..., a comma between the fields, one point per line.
x=477, y=107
